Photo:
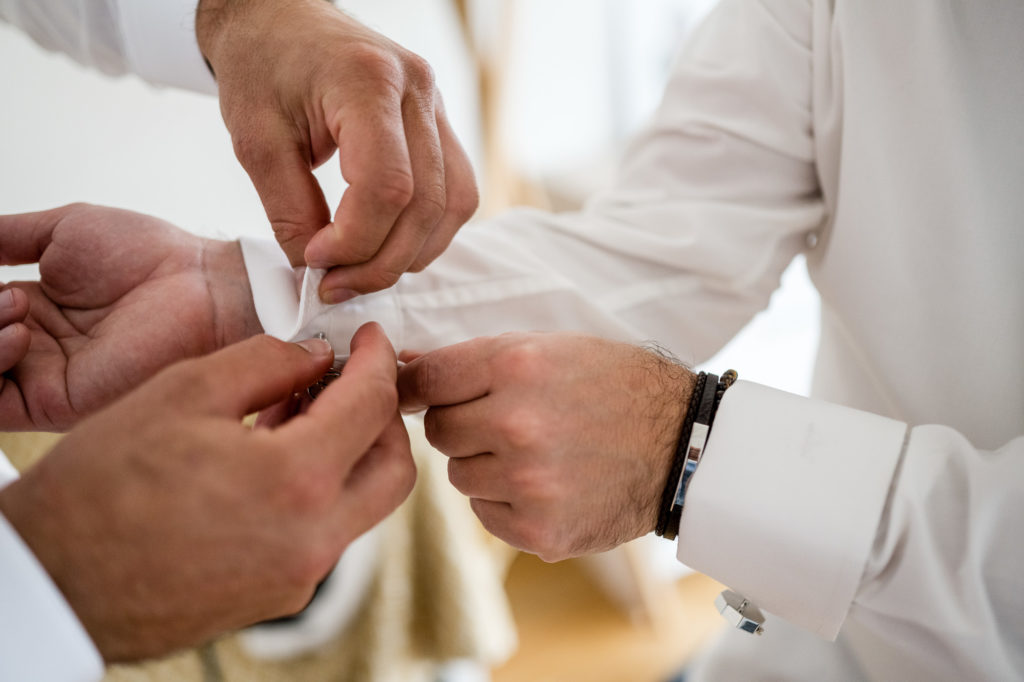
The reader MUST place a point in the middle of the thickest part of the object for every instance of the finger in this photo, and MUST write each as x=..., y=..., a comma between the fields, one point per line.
x=408, y=356
x=13, y=306
x=379, y=482
x=14, y=342
x=482, y=476
x=416, y=223
x=359, y=404
x=462, y=196
x=462, y=430
x=246, y=377
x=375, y=162
x=279, y=164
x=25, y=236
x=278, y=414
x=499, y=518
x=447, y=376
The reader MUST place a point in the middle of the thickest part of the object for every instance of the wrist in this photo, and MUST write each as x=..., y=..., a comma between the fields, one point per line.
x=233, y=309
x=676, y=385
x=219, y=23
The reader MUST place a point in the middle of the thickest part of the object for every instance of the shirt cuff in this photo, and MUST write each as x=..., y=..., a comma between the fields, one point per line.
x=160, y=43
x=786, y=503
x=293, y=312
x=41, y=637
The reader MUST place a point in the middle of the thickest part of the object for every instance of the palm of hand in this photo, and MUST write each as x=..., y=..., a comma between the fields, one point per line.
x=120, y=296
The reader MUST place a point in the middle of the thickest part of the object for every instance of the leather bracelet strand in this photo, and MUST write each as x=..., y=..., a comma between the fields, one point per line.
x=677, y=460
x=693, y=439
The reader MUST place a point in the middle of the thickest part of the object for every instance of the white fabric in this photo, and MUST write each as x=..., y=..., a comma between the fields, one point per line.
x=40, y=637
x=883, y=140
x=155, y=40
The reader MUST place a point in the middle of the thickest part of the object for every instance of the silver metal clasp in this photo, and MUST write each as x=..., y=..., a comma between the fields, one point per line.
x=740, y=612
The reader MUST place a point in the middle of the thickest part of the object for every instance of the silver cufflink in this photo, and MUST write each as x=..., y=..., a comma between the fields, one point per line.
x=740, y=612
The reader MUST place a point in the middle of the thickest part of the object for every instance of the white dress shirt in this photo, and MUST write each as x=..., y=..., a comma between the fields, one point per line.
x=884, y=141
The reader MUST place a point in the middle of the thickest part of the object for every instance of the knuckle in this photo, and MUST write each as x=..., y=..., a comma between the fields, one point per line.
x=523, y=359
x=433, y=201
x=394, y=188
x=457, y=476
x=464, y=201
x=542, y=539
x=419, y=72
x=521, y=428
x=309, y=491
x=382, y=277
x=251, y=149
x=377, y=65
x=307, y=565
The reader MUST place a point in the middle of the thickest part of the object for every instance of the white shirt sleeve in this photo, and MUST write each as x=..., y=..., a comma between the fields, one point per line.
x=152, y=38
x=40, y=637
x=819, y=513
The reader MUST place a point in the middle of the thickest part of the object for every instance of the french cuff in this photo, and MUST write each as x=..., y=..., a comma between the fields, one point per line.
x=786, y=502
x=42, y=638
x=160, y=43
x=293, y=312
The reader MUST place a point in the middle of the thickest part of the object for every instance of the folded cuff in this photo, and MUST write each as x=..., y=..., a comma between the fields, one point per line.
x=293, y=312
x=786, y=503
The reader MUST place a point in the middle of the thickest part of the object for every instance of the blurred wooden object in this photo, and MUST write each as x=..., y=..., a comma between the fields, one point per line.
x=570, y=630
x=503, y=186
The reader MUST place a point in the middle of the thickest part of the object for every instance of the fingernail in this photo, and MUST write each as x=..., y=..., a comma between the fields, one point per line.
x=6, y=299
x=316, y=347
x=335, y=296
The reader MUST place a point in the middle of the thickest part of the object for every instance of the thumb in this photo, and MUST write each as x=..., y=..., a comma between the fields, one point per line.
x=25, y=236
x=280, y=167
x=247, y=376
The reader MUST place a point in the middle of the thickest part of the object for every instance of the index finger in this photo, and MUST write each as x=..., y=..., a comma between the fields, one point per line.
x=447, y=376
x=375, y=161
x=356, y=407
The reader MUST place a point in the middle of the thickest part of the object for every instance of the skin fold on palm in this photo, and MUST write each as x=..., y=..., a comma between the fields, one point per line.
x=120, y=296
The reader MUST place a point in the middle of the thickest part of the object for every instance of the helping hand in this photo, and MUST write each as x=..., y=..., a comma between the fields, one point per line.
x=166, y=522
x=299, y=78
x=121, y=295
x=563, y=442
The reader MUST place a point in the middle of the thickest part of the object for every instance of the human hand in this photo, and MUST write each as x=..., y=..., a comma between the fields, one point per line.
x=121, y=295
x=299, y=78
x=563, y=442
x=166, y=522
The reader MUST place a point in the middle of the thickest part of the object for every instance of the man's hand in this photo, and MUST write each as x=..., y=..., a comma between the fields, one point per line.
x=166, y=522
x=297, y=79
x=563, y=442
x=121, y=296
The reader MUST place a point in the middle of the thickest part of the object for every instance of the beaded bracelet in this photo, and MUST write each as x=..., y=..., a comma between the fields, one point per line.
x=693, y=438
